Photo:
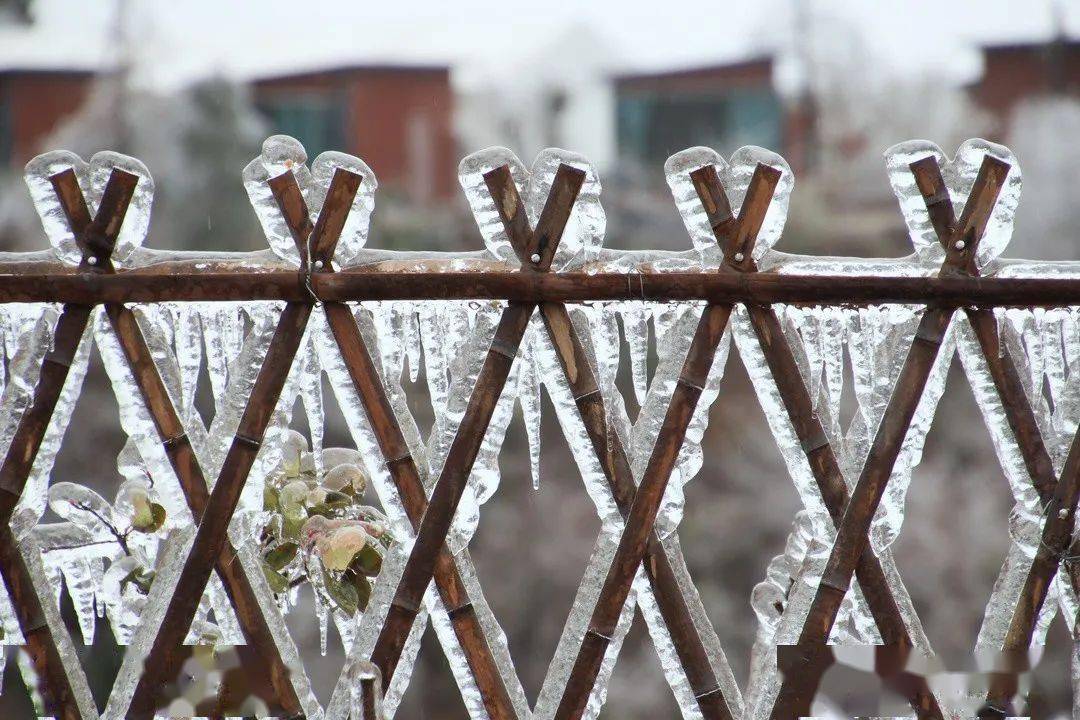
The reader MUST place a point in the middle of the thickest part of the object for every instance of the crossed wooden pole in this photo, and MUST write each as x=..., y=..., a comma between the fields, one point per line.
x=95, y=239
x=805, y=668
x=820, y=456
x=1058, y=495
x=163, y=661
x=406, y=477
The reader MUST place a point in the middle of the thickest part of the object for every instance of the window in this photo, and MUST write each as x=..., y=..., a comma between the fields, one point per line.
x=652, y=126
x=318, y=121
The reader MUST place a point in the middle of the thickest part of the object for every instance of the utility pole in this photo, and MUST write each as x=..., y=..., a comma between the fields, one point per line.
x=121, y=77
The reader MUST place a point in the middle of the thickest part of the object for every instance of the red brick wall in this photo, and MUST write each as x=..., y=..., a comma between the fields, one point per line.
x=1014, y=73
x=705, y=79
x=36, y=103
x=398, y=120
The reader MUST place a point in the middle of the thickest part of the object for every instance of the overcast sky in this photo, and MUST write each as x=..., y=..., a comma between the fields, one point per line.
x=181, y=41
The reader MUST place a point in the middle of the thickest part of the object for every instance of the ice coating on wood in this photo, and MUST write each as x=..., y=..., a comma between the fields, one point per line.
x=584, y=232
x=735, y=175
x=1045, y=348
x=959, y=175
x=92, y=178
x=354, y=233
x=471, y=173
x=38, y=174
x=28, y=339
x=282, y=154
x=873, y=342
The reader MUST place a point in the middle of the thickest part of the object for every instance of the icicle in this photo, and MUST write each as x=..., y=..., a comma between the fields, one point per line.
x=636, y=330
x=412, y=341
x=529, y=397
x=311, y=393
x=188, y=339
x=80, y=576
x=322, y=612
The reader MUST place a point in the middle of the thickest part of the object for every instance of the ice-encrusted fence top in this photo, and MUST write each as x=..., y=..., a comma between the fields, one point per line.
x=181, y=557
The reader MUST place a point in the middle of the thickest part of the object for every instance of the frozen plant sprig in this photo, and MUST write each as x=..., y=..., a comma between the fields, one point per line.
x=318, y=528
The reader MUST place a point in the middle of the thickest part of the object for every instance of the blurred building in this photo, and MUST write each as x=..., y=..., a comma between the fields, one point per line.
x=33, y=103
x=397, y=118
x=1016, y=72
x=557, y=93
x=722, y=106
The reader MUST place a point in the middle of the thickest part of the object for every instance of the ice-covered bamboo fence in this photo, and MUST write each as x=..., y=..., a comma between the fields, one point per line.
x=539, y=305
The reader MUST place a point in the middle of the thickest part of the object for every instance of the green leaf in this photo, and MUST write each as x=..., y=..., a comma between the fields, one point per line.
x=321, y=509
x=270, y=499
x=281, y=556
x=368, y=561
x=152, y=523
x=344, y=595
x=338, y=499
x=143, y=580
x=290, y=529
x=278, y=582
x=363, y=592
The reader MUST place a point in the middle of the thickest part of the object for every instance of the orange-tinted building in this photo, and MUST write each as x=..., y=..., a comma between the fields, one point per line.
x=1016, y=72
x=397, y=118
x=33, y=103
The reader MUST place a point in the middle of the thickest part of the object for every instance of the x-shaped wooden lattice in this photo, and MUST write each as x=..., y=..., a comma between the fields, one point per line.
x=407, y=478
x=211, y=548
x=820, y=455
x=95, y=238
x=638, y=505
x=1058, y=495
x=432, y=518
x=804, y=667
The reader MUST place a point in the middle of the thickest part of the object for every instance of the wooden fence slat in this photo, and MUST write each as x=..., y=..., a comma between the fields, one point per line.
x=268, y=676
x=96, y=235
x=1058, y=496
x=852, y=536
x=808, y=429
x=641, y=516
x=437, y=519
x=609, y=449
x=162, y=662
x=403, y=470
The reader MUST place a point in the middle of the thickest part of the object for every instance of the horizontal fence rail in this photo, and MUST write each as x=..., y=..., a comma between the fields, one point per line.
x=313, y=304
x=571, y=287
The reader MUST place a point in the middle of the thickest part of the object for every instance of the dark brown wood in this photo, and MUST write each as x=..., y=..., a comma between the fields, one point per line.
x=368, y=383
x=852, y=536
x=643, y=510
x=641, y=516
x=370, y=698
x=673, y=605
x=535, y=287
x=34, y=422
x=437, y=519
x=97, y=235
x=53, y=684
x=613, y=460
x=267, y=674
x=406, y=477
x=1014, y=401
x=163, y=661
x=800, y=409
